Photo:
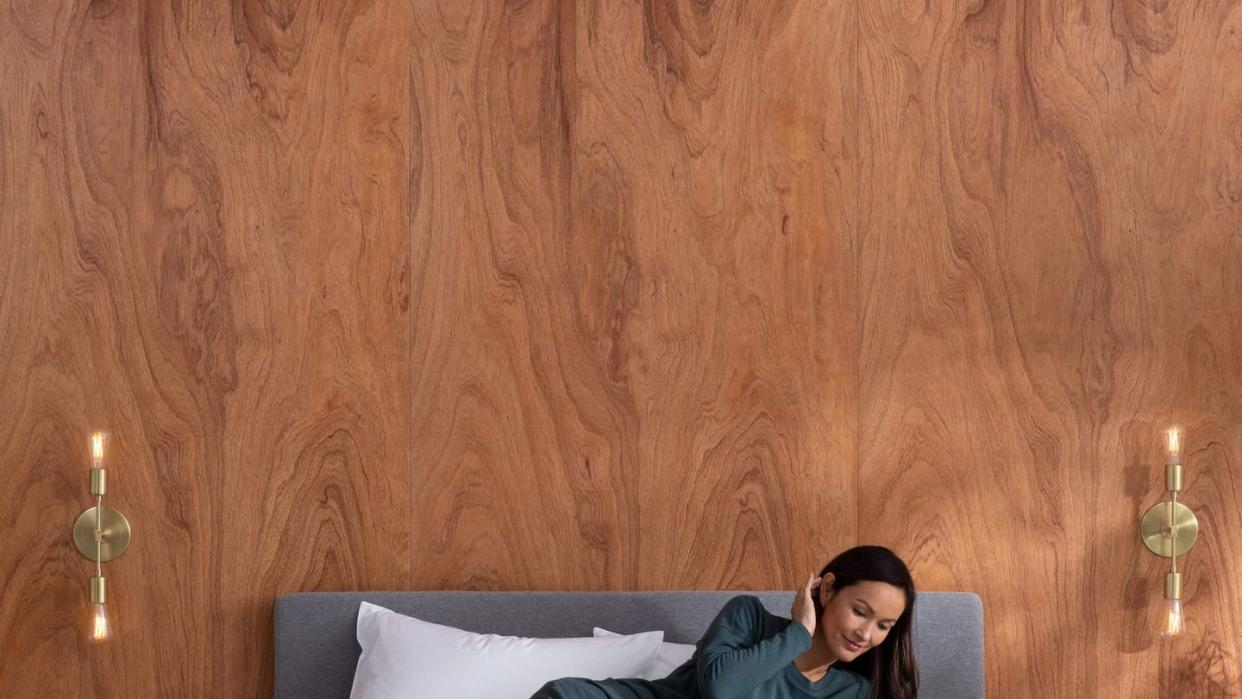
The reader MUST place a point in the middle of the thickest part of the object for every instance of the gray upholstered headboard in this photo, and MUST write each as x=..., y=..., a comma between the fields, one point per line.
x=317, y=651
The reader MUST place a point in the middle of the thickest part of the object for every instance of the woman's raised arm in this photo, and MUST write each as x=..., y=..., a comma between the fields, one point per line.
x=731, y=664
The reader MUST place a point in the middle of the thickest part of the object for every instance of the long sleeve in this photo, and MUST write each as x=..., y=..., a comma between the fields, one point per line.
x=746, y=653
x=732, y=662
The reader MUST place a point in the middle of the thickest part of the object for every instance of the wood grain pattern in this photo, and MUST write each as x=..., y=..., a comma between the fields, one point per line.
x=594, y=295
x=633, y=290
x=1048, y=194
x=204, y=218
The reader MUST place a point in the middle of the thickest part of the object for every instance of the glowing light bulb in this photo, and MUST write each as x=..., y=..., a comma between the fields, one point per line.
x=100, y=624
x=1174, y=446
x=1173, y=620
x=99, y=440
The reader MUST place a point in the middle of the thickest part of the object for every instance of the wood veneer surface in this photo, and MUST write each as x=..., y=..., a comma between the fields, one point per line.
x=633, y=294
x=204, y=222
x=1050, y=274
x=612, y=296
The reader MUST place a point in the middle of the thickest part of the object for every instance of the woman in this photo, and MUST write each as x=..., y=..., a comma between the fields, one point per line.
x=849, y=638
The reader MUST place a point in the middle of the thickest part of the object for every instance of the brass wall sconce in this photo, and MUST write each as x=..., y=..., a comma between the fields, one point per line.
x=101, y=534
x=1169, y=529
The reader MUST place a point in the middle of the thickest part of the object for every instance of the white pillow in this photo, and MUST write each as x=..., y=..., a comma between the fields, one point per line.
x=670, y=656
x=408, y=658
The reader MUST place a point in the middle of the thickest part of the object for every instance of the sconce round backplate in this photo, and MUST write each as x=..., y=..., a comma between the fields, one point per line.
x=1157, y=529
x=115, y=534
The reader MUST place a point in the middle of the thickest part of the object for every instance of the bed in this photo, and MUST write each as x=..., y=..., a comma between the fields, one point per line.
x=317, y=652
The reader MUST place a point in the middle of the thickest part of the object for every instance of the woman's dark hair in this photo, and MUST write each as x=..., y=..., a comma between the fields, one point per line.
x=890, y=666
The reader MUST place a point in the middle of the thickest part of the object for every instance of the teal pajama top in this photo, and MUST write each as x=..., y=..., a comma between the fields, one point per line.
x=747, y=653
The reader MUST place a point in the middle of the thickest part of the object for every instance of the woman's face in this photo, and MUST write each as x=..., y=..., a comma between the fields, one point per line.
x=858, y=617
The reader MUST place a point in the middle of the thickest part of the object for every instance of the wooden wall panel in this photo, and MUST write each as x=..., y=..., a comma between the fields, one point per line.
x=1050, y=273
x=204, y=219
x=601, y=295
x=633, y=334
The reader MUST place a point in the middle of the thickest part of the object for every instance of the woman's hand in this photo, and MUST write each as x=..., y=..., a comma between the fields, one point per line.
x=803, y=610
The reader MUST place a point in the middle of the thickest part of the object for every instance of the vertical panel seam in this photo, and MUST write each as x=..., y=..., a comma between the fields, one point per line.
x=857, y=273
x=411, y=422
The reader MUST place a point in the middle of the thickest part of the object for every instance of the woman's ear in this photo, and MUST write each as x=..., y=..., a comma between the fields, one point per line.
x=825, y=588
